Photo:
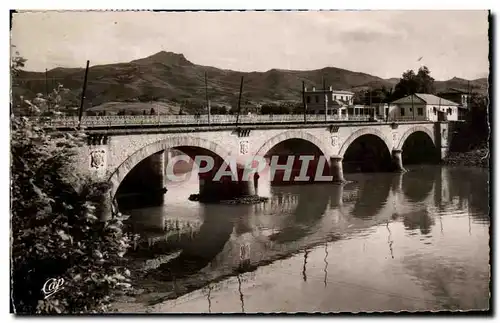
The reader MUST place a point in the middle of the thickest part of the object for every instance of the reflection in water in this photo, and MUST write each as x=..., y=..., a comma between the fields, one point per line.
x=374, y=191
x=304, y=275
x=202, y=249
x=209, y=288
x=309, y=209
x=326, y=263
x=419, y=219
x=390, y=241
x=241, y=294
x=417, y=184
x=441, y=223
x=196, y=245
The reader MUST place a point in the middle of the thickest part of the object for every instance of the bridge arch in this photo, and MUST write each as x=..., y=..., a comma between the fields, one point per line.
x=293, y=134
x=418, y=146
x=361, y=132
x=190, y=142
x=411, y=131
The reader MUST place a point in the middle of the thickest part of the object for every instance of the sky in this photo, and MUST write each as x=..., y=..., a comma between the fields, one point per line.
x=381, y=43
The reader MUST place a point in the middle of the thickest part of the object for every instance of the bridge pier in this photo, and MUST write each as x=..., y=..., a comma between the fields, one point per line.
x=336, y=169
x=397, y=159
x=226, y=187
x=158, y=167
x=336, y=196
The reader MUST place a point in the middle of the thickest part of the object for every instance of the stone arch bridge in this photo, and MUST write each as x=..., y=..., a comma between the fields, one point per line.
x=113, y=152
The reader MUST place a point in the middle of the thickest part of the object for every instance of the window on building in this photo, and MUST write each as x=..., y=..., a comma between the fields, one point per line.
x=434, y=110
x=308, y=99
x=420, y=111
x=449, y=110
x=317, y=99
x=335, y=97
x=402, y=111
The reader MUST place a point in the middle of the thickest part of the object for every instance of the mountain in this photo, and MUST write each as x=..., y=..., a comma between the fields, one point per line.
x=478, y=85
x=170, y=77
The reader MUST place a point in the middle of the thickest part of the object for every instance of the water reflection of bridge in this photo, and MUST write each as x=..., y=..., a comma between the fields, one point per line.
x=297, y=218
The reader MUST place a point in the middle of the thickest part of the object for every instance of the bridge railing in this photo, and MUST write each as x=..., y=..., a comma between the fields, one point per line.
x=172, y=120
x=408, y=118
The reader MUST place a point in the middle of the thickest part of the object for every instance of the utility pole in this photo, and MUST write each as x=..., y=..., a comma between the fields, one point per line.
x=206, y=98
x=46, y=83
x=47, y=89
x=412, y=106
x=326, y=99
x=370, y=102
x=83, y=95
x=468, y=94
x=239, y=101
x=304, y=101
x=439, y=108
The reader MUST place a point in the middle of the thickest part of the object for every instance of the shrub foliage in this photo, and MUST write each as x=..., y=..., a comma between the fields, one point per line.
x=56, y=232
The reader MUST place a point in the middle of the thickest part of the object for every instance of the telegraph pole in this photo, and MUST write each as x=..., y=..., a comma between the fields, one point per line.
x=468, y=94
x=304, y=101
x=46, y=83
x=83, y=94
x=412, y=106
x=440, y=108
x=47, y=89
x=326, y=99
x=206, y=98
x=239, y=101
x=370, y=102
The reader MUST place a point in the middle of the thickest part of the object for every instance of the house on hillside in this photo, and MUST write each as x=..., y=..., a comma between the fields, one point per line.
x=421, y=106
x=460, y=97
x=457, y=96
x=336, y=101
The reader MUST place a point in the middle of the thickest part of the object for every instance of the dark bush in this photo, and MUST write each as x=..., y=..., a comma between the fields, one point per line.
x=55, y=230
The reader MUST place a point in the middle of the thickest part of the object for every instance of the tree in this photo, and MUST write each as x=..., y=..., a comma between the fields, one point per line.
x=17, y=63
x=475, y=131
x=478, y=120
x=411, y=83
x=374, y=96
x=425, y=81
x=55, y=230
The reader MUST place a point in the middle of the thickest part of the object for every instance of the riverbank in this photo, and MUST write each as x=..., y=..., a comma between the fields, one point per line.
x=477, y=158
x=252, y=199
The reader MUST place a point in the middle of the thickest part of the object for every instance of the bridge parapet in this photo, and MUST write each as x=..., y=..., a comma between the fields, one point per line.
x=170, y=120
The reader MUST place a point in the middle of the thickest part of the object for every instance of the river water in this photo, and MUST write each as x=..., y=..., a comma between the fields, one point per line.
x=383, y=242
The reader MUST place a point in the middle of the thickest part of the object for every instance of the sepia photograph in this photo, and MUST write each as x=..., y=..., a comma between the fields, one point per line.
x=250, y=162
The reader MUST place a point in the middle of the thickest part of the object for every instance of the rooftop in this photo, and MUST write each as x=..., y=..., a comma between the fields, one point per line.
x=427, y=98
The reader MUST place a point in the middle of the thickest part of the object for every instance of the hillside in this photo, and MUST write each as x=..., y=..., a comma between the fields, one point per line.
x=170, y=77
